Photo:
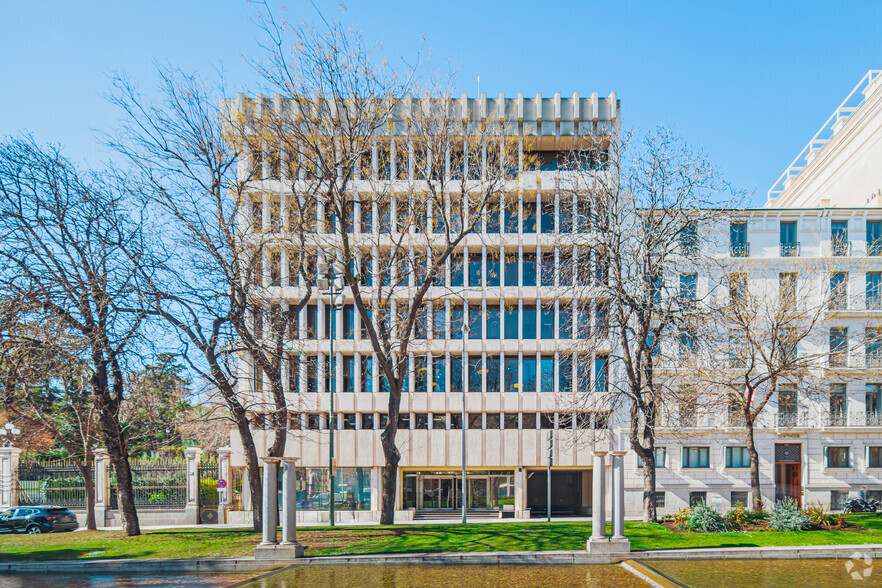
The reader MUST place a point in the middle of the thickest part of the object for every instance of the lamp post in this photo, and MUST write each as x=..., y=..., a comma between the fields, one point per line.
x=9, y=432
x=462, y=382
x=332, y=282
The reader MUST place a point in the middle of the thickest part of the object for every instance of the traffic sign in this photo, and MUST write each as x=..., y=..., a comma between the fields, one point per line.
x=221, y=483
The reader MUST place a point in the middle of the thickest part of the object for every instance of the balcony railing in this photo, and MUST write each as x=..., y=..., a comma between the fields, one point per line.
x=790, y=249
x=841, y=248
x=866, y=419
x=735, y=420
x=739, y=249
x=873, y=359
x=873, y=302
x=835, y=419
x=790, y=420
x=874, y=247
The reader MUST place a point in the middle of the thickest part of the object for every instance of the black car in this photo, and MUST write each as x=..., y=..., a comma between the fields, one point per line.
x=37, y=519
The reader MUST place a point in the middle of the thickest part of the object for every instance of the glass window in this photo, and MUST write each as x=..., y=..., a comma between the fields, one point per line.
x=547, y=269
x=839, y=237
x=837, y=457
x=874, y=457
x=349, y=420
x=838, y=499
x=348, y=373
x=737, y=457
x=601, y=368
x=420, y=375
x=529, y=221
x=696, y=457
x=494, y=273
x=456, y=270
x=493, y=317
x=456, y=421
x=565, y=217
x=874, y=290
x=529, y=269
x=874, y=237
x=528, y=368
x=838, y=346
x=528, y=322
x=492, y=367
x=294, y=374
x=511, y=374
x=439, y=379
x=456, y=373
x=546, y=329
x=511, y=268
x=475, y=266
x=476, y=369
x=688, y=289
x=738, y=239
x=493, y=421
x=838, y=402
x=546, y=381
x=439, y=421
x=510, y=421
x=547, y=218
x=476, y=330
x=439, y=321
x=476, y=421
x=511, y=217
x=421, y=421
x=873, y=402
x=348, y=321
x=565, y=322
x=367, y=421
x=456, y=322
x=528, y=421
x=565, y=375
x=493, y=217
x=838, y=291
x=511, y=322
x=546, y=420
x=696, y=498
x=661, y=455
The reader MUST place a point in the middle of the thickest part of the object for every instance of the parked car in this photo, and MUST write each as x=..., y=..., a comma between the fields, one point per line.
x=37, y=519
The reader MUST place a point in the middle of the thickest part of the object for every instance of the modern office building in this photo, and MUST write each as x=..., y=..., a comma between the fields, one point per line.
x=821, y=229
x=497, y=333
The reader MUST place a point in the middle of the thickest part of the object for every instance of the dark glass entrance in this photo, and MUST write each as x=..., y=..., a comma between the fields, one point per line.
x=566, y=493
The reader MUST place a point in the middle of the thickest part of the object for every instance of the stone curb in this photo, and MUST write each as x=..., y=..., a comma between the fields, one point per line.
x=248, y=564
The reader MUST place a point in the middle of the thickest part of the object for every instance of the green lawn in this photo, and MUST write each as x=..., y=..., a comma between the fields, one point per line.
x=208, y=542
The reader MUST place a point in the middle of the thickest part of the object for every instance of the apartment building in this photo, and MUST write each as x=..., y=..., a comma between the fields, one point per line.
x=820, y=232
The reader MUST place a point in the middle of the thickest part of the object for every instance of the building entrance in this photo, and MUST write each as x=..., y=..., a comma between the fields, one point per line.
x=484, y=490
x=788, y=472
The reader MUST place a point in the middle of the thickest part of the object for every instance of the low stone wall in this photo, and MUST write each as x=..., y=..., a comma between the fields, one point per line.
x=243, y=517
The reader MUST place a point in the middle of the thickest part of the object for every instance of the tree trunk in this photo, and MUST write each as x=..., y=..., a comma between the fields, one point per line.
x=649, y=513
x=86, y=470
x=392, y=455
x=254, y=480
x=280, y=417
x=755, y=486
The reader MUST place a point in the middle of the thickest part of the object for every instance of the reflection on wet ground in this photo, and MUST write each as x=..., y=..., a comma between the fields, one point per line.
x=805, y=573
x=417, y=576
x=59, y=580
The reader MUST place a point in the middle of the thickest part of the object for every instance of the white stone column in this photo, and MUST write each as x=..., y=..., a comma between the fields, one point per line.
x=191, y=510
x=270, y=500
x=598, y=497
x=289, y=545
x=102, y=486
x=618, y=495
x=9, y=476
x=223, y=472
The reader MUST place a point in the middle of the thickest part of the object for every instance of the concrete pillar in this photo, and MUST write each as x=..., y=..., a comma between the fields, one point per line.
x=270, y=500
x=191, y=510
x=9, y=457
x=223, y=472
x=598, y=497
x=618, y=495
x=520, y=497
x=376, y=488
x=102, y=486
x=289, y=509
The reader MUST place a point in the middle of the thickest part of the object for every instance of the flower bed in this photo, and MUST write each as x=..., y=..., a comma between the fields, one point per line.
x=787, y=516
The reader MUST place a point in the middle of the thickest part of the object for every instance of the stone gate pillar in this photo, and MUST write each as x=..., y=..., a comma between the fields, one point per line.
x=102, y=486
x=9, y=476
x=598, y=498
x=191, y=510
x=223, y=472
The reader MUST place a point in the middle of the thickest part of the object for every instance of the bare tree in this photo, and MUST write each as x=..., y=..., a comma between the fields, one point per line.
x=44, y=384
x=72, y=252
x=765, y=337
x=642, y=209
x=392, y=185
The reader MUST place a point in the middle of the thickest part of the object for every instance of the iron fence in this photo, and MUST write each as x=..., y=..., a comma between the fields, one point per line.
x=157, y=483
x=56, y=483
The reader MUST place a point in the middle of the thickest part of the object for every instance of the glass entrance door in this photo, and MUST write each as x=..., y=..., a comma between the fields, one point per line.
x=447, y=496
x=477, y=489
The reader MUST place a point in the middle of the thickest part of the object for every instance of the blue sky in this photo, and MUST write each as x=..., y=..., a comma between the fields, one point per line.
x=750, y=82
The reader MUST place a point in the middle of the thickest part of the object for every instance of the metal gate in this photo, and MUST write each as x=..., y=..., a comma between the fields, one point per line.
x=209, y=472
x=56, y=483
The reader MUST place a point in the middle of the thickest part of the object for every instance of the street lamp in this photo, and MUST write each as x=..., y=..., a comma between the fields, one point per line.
x=9, y=432
x=332, y=284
